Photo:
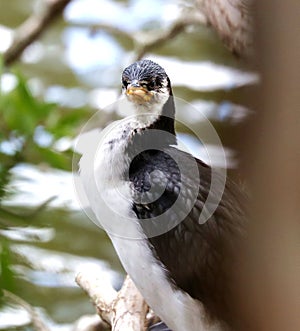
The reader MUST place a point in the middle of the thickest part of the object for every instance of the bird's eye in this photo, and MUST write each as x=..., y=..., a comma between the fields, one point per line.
x=151, y=85
x=124, y=83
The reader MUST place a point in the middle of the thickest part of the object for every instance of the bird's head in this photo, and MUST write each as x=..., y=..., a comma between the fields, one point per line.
x=147, y=86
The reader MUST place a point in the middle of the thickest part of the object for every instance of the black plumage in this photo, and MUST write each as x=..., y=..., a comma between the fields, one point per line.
x=199, y=258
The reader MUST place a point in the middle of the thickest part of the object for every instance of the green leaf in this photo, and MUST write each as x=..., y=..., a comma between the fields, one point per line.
x=4, y=179
x=65, y=122
x=54, y=159
x=22, y=111
x=6, y=274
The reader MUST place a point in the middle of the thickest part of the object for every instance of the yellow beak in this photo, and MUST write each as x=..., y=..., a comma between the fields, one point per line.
x=138, y=94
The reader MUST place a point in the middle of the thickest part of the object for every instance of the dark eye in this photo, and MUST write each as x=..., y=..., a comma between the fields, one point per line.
x=124, y=83
x=151, y=85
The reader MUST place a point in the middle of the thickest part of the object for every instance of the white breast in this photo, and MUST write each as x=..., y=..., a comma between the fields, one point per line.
x=101, y=171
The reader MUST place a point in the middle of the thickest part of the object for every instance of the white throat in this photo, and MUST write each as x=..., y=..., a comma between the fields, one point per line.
x=152, y=109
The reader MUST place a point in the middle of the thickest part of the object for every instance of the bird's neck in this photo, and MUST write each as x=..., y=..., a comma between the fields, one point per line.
x=166, y=120
x=157, y=133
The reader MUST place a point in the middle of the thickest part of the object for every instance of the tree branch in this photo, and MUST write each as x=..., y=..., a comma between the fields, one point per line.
x=178, y=27
x=36, y=319
x=232, y=20
x=32, y=28
x=145, y=42
x=123, y=310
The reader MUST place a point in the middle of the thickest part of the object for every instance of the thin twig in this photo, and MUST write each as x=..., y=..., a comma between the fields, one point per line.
x=32, y=28
x=24, y=218
x=36, y=319
x=94, y=28
x=176, y=28
x=145, y=42
x=39, y=208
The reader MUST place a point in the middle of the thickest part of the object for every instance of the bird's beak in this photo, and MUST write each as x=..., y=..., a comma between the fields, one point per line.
x=137, y=93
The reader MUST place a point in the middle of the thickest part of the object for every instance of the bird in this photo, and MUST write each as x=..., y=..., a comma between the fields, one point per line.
x=174, y=221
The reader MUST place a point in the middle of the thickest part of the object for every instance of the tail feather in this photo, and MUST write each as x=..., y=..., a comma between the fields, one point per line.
x=160, y=326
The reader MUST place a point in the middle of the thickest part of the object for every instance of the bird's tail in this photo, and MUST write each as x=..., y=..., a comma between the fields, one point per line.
x=160, y=326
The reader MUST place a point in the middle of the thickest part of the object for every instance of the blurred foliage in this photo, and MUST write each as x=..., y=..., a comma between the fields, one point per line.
x=6, y=274
x=23, y=119
x=21, y=115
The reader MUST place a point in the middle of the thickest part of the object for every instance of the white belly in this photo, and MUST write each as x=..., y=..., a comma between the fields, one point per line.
x=101, y=170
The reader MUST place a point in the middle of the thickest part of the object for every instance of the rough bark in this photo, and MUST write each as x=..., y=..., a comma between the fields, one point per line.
x=123, y=310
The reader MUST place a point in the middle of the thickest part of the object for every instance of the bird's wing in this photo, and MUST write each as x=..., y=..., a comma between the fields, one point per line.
x=197, y=252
